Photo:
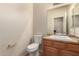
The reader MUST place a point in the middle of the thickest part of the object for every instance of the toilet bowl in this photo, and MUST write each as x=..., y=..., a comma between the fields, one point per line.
x=33, y=48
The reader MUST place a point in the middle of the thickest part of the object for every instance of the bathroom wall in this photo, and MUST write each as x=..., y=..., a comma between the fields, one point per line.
x=40, y=17
x=16, y=27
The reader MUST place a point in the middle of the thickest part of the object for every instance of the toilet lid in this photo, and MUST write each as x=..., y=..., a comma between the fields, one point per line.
x=33, y=46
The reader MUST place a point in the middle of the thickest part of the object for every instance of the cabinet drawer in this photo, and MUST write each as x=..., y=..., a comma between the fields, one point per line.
x=60, y=45
x=73, y=47
x=48, y=51
x=47, y=43
x=67, y=53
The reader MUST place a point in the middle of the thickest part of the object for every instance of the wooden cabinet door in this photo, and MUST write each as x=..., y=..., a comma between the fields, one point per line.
x=67, y=53
x=49, y=51
x=47, y=43
x=73, y=47
x=59, y=45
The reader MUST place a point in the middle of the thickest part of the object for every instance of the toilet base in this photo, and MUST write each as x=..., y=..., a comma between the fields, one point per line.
x=36, y=53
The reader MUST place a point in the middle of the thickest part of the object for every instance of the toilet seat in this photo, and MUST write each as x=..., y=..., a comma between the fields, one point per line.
x=32, y=47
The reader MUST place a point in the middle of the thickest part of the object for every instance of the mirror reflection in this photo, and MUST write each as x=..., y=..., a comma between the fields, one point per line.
x=64, y=20
x=75, y=20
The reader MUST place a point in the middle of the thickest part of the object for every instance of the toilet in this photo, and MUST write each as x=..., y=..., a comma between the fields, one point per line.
x=33, y=48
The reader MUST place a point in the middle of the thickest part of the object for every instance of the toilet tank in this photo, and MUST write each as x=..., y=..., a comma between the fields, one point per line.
x=37, y=39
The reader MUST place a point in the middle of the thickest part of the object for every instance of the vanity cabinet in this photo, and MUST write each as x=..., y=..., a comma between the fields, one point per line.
x=67, y=53
x=51, y=51
x=59, y=48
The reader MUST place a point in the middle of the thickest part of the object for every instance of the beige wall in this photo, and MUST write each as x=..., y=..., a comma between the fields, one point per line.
x=40, y=18
x=15, y=27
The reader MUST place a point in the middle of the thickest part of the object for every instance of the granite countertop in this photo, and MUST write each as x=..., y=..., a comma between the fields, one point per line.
x=63, y=38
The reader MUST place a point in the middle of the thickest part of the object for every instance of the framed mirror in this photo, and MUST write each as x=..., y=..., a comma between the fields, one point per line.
x=75, y=18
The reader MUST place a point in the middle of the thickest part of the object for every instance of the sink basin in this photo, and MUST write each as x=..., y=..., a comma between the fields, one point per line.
x=58, y=37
